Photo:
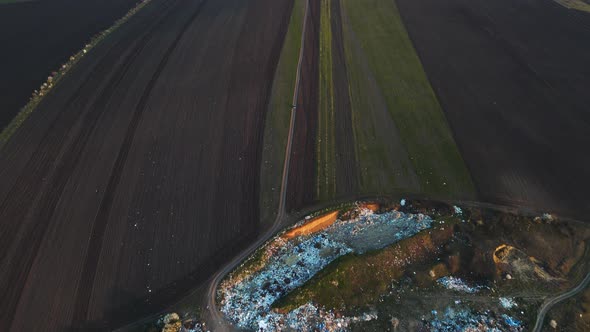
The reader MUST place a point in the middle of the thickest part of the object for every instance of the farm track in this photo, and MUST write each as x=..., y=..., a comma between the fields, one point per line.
x=302, y=168
x=552, y=301
x=347, y=178
x=156, y=142
x=517, y=105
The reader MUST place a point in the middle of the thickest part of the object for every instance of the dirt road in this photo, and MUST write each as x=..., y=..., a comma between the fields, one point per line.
x=215, y=319
x=138, y=175
x=302, y=173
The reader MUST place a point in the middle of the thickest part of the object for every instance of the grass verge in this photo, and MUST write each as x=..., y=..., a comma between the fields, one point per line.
x=58, y=75
x=580, y=5
x=423, y=129
x=326, y=172
x=276, y=130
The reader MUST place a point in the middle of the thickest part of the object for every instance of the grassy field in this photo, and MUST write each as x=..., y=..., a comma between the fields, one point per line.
x=326, y=172
x=276, y=128
x=412, y=149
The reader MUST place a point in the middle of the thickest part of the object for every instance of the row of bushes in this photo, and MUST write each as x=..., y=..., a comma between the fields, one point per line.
x=56, y=76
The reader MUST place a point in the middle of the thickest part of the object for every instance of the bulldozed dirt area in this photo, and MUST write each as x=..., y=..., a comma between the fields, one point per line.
x=138, y=175
x=512, y=78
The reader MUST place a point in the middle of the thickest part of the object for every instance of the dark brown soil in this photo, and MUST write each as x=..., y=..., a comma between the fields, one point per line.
x=346, y=164
x=137, y=177
x=302, y=167
x=37, y=37
x=513, y=79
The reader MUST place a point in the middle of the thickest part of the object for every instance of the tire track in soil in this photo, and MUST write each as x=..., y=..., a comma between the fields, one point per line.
x=40, y=166
x=346, y=164
x=302, y=168
x=44, y=204
x=101, y=221
x=50, y=146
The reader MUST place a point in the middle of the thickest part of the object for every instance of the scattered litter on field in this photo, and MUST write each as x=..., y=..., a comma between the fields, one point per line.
x=511, y=321
x=508, y=302
x=457, y=209
x=457, y=284
x=289, y=263
x=309, y=318
x=172, y=322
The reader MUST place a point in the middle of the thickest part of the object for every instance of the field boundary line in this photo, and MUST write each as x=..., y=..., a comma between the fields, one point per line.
x=216, y=320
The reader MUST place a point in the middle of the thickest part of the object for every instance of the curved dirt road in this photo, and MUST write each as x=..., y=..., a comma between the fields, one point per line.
x=130, y=168
x=556, y=299
x=216, y=321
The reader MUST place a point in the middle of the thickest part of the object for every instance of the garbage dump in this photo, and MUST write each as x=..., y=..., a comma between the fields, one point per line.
x=247, y=301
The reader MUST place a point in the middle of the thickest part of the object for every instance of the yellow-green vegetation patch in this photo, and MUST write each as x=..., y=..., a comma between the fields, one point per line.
x=425, y=137
x=326, y=140
x=276, y=130
x=383, y=162
x=575, y=4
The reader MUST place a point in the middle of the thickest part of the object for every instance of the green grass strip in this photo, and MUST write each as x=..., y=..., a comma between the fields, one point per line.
x=276, y=130
x=326, y=150
x=420, y=121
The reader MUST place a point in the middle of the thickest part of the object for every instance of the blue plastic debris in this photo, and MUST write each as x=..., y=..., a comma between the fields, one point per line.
x=294, y=261
x=511, y=321
x=466, y=319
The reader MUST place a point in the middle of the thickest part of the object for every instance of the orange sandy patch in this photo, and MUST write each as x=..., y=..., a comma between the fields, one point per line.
x=371, y=206
x=314, y=225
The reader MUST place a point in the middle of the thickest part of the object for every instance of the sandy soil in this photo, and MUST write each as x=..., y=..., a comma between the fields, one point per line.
x=138, y=175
